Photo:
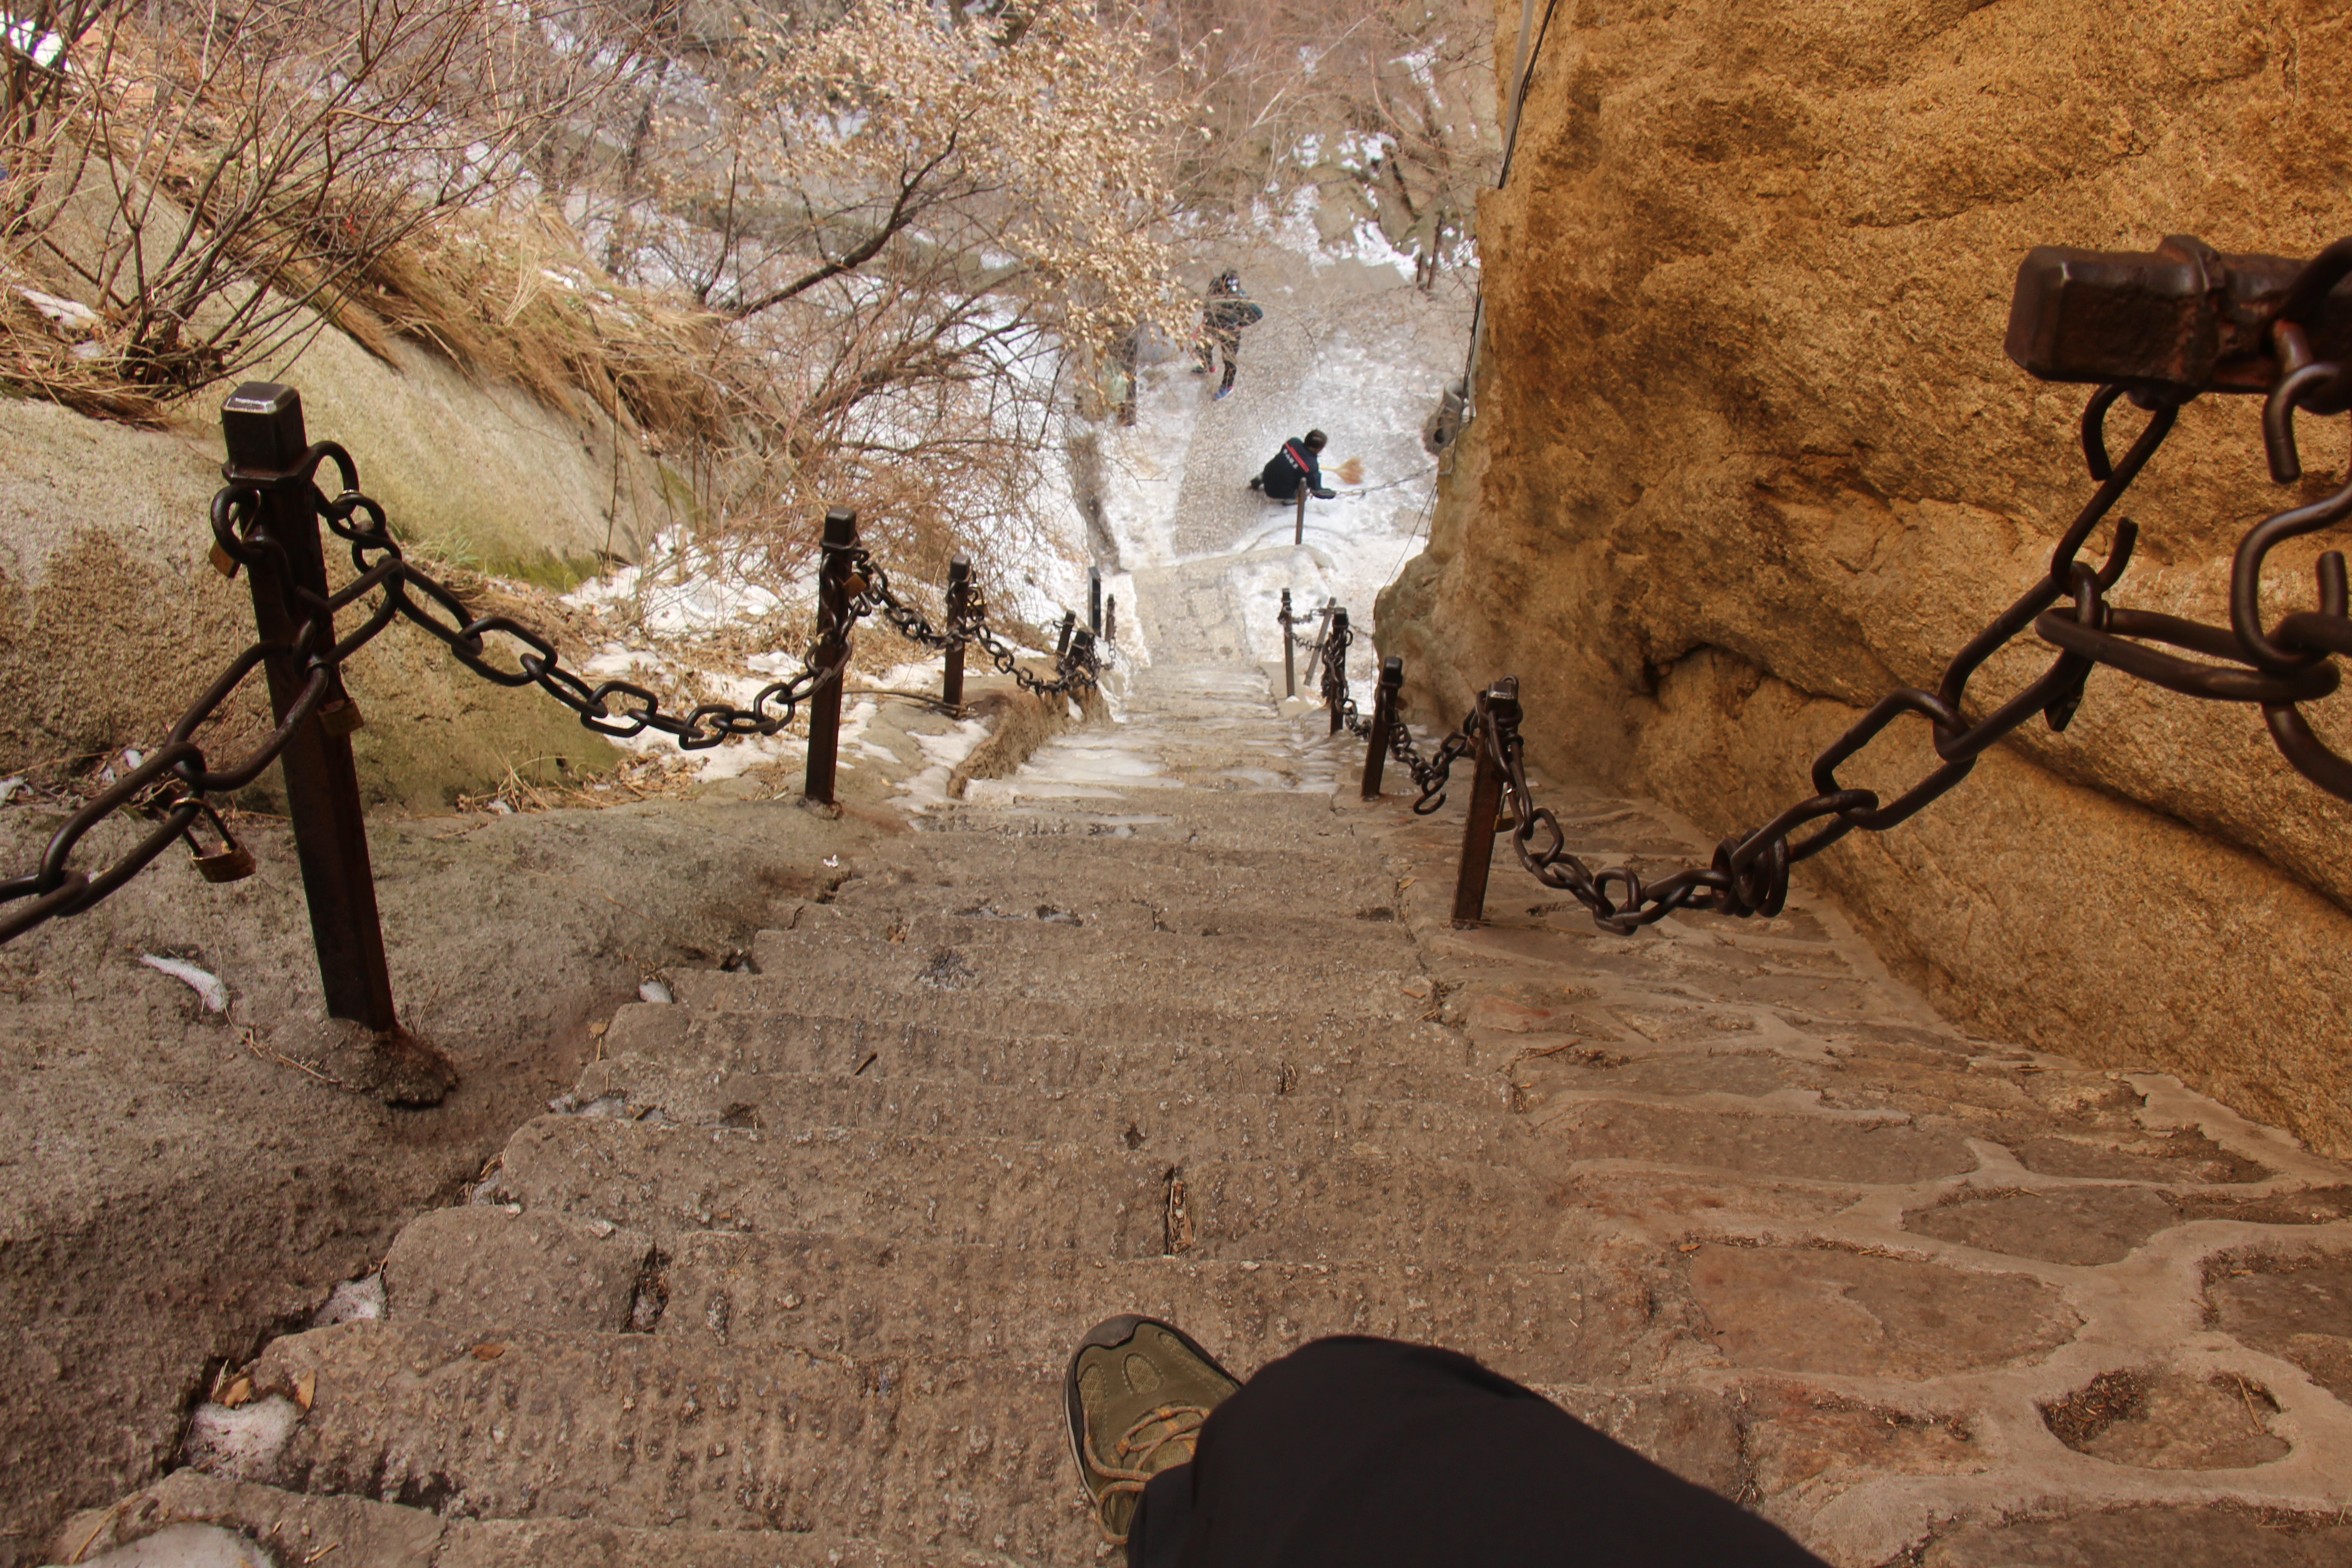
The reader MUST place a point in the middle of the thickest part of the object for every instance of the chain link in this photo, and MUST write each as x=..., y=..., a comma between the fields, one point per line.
x=1750, y=873
x=2276, y=668
x=1430, y=775
x=167, y=785
x=1336, y=642
x=1079, y=669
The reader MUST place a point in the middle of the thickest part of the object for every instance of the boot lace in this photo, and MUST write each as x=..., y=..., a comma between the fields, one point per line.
x=1136, y=1456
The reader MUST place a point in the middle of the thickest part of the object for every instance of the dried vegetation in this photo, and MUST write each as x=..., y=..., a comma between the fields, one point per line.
x=806, y=257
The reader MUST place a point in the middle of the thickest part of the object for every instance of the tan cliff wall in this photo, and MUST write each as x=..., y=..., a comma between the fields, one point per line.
x=111, y=621
x=1748, y=454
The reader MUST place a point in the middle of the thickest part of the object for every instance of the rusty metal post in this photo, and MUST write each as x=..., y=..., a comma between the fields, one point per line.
x=1289, y=648
x=1498, y=706
x=261, y=424
x=1298, y=531
x=1337, y=635
x=1062, y=643
x=1385, y=703
x=833, y=596
x=959, y=606
x=1094, y=600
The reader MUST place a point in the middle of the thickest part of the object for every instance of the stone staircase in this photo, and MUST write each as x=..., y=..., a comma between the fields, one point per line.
x=1168, y=1024
x=793, y=1277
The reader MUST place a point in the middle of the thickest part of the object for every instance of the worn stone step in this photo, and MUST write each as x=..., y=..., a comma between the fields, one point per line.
x=1080, y=778
x=980, y=962
x=639, y=1431
x=696, y=1050
x=1261, y=1025
x=1536, y=1319
x=667, y=1179
x=1173, y=1123
x=1298, y=822
x=484, y=1268
x=1360, y=936
x=1335, y=938
x=991, y=853
x=1147, y=744
x=1084, y=874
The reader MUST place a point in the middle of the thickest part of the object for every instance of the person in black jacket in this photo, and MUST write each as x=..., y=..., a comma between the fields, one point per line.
x=1363, y=1453
x=1298, y=462
x=1221, y=320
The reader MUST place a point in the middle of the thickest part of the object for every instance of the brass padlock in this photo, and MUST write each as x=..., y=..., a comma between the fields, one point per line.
x=223, y=562
x=340, y=717
x=230, y=863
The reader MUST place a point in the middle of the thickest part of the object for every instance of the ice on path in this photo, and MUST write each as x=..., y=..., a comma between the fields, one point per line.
x=243, y=1444
x=185, y=1546
x=353, y=1302
x=207, y=985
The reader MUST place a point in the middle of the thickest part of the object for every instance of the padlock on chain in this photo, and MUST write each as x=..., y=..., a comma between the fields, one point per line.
x=231, y=863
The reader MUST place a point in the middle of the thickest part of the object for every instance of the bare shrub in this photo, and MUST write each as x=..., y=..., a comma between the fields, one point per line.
x=203, y=178
x=1388, y=107
x=915, y=218
x=843, y=256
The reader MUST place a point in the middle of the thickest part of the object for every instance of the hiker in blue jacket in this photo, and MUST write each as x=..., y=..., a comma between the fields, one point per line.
x=1297, y=463
x=1221, y=320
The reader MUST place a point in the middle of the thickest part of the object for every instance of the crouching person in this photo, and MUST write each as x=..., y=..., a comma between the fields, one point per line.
x=1299, y=463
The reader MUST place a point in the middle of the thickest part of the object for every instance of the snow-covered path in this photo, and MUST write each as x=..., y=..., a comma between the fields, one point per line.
x=1352, y=349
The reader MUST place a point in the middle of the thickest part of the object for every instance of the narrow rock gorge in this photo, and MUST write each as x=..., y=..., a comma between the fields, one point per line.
x=1748, y=453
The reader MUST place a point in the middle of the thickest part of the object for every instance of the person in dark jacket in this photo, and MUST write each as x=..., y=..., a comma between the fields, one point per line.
x=1355, y=1452
x=1299, y=462
x=1227, y=311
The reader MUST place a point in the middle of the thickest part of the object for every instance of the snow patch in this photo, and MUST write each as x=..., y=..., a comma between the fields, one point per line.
x=207, y=986
x=243, y=1444
x=942, y=754
x=185, y=1546
x=67, y=315
x=354, y=1302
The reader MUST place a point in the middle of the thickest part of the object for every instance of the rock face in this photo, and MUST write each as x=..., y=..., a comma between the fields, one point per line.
x=1748, y=454
x=111, y=622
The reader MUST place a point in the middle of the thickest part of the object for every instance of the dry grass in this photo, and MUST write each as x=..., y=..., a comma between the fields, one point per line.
x=697, y=668
x=37, y=360
x=515, y=297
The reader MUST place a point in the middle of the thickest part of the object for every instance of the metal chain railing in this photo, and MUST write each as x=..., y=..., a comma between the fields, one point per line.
x=1337, y=639
x=1077, y=668
x=2275, y=666
x=167, y=783
x=259, y=522
x=1430, y=775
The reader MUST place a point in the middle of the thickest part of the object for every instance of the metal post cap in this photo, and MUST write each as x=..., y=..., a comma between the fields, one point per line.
x=261, y=422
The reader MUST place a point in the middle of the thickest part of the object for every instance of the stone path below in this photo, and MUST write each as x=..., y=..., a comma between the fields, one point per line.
x=1889, y=1283
x=1169, y=1022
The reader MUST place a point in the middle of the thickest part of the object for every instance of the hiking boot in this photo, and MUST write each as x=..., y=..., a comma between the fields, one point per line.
x=1139, y=1392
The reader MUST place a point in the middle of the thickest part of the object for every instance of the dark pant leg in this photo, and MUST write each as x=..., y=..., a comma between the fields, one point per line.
x=1363, y=1453
x=1163, y=1516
